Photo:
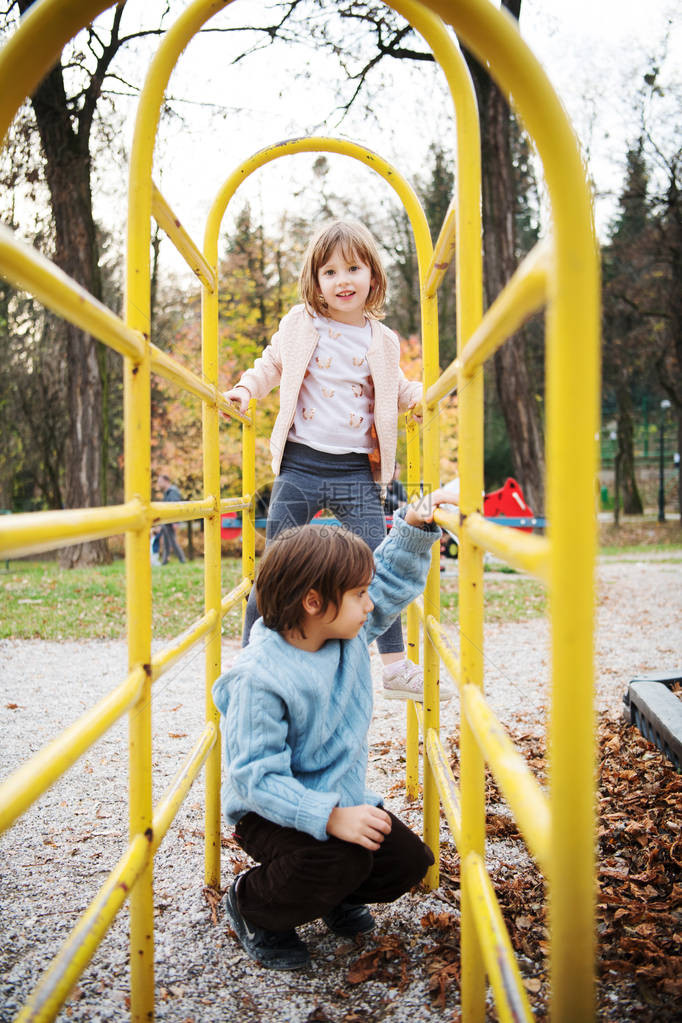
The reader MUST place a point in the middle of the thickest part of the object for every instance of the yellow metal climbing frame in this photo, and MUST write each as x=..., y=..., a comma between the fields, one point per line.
x=561, y=275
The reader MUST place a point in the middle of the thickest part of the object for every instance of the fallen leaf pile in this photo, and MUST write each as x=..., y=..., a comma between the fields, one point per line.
x=639, y=903
x=640, y=867
x=639, y=911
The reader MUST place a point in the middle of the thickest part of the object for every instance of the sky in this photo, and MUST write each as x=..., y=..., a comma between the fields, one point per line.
x=594, y=51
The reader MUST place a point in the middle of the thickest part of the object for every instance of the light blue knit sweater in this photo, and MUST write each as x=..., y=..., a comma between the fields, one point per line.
x=295, y=723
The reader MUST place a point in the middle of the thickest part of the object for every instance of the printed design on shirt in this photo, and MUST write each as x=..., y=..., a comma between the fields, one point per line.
x=358, y=390
x=358, y=360
x=355, y=420
x=328, y=392
x=308, y=413
x=334, y=334
x=323, y=363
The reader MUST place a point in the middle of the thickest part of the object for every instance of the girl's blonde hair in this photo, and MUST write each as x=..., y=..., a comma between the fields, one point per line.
x=355, y=242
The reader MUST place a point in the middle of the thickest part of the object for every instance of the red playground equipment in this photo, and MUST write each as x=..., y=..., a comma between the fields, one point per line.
x=508, y=502
x=507, y=507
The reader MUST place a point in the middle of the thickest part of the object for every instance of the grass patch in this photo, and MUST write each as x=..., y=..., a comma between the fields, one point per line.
x=516, y=598
x=42, y=601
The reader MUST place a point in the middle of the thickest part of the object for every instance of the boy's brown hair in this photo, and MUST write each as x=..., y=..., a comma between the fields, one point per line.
x=355, y=242
x=328, y=559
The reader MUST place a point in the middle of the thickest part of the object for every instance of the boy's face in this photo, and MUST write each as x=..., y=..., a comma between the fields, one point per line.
x=346, y=621
x=344, y=285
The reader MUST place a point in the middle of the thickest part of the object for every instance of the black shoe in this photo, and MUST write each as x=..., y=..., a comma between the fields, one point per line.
x=347, y=920
x=278, y=950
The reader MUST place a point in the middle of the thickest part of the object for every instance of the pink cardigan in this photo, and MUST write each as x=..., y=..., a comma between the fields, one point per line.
x=286, y=359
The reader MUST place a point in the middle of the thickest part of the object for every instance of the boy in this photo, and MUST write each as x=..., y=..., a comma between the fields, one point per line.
x=295, y=709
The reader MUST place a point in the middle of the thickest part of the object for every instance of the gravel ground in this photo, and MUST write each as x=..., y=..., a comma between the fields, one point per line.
x=56, y=857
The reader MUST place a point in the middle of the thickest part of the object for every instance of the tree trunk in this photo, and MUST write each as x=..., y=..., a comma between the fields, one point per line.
x=499, y=263
x=67, y=162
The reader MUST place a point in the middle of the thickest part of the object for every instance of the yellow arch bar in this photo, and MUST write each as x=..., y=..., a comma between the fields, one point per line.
x=321, y=144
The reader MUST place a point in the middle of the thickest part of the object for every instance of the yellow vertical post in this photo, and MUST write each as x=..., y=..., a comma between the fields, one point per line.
x=212, y=580
x=249, y=489
x=472, y=767
x=137, y=447
x=431, y=434
x=573, y=363
x=412, y=725
x=469, y=275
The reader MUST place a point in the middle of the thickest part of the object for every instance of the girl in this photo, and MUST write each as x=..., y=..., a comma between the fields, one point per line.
x=341, y=390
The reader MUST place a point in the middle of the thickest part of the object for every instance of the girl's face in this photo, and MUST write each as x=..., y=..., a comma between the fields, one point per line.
x=345, y=285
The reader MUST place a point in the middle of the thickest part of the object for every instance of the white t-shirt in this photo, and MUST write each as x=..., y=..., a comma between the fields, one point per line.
x=335, y=409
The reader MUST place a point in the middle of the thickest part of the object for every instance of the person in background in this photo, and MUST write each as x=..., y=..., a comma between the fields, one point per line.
x=169, y=539
x=341, y=391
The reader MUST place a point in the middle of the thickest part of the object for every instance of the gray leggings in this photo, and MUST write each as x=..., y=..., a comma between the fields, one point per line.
x=310, y=480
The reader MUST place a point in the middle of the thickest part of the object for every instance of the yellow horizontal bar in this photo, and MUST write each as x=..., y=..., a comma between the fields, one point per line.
x=181, y=783
x=235, y=595
x=190, y=252
x=446, y=784
x=21, y=788
x=440, y=640
x=169, y=368
x=448, y=381
x=449, y=519
x=28, y=270
x=181, y=644
x=81, y=944
x=511, y=1000
x=181, y=511
x=520, y=787
x=443, y=253
x=238, y=503
x=33, y=532
x=524, y=551
x=525, y=293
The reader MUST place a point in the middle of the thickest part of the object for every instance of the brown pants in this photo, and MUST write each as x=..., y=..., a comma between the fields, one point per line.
x=300, y=878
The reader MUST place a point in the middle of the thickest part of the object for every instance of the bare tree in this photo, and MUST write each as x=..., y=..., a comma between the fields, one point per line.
x=65, y=123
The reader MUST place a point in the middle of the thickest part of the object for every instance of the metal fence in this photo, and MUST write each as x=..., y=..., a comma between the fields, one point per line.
x=562, y=275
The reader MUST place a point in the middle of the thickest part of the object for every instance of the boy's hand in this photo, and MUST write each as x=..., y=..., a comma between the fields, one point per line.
x=240, y=396
x=363, y=825
x=421, y=509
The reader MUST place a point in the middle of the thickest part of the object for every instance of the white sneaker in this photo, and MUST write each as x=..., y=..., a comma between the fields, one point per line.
x=405, y=681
